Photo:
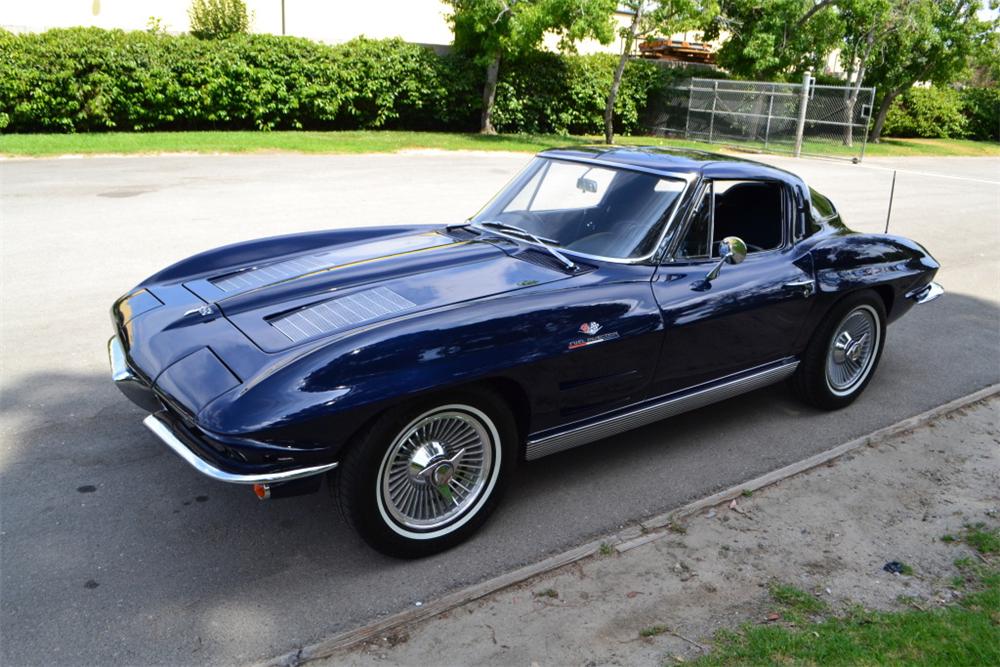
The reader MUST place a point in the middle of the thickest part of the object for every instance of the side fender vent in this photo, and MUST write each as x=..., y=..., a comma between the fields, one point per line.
x=341, y=314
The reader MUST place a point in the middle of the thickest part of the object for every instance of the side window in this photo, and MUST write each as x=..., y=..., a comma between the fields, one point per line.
x=696, y=243
x=751, y=210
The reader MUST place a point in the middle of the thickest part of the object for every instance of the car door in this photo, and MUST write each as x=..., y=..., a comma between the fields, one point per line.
x=751, y=313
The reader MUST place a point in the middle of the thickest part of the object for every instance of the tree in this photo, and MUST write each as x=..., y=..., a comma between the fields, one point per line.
x=986, y=61
x=649, y=18
x=933, y=42
x=777, y=37
x=867, y=23
x=218, y=19
x=491, y=30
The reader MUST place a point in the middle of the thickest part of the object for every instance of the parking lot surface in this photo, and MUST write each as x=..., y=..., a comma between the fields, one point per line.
x=113, y=550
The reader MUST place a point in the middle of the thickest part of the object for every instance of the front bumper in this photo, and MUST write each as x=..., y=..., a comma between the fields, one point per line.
x=129, y=383
x=172, y=437
x=183, y=441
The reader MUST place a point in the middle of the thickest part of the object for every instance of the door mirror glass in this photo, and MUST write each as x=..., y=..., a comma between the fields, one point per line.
x=732, y=249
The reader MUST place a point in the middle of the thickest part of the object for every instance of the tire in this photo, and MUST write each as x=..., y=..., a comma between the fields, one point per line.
x=835, y=367
x=403, y=484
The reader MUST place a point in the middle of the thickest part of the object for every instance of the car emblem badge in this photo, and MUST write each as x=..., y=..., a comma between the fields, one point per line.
x=590, y=329
x=204, y=311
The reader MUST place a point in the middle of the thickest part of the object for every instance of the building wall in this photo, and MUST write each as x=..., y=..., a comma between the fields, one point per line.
x=331, y=21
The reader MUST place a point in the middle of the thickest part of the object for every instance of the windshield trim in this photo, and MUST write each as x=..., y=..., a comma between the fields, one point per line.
x=686, y=178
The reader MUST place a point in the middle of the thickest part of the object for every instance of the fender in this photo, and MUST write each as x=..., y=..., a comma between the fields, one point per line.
x=892, y=264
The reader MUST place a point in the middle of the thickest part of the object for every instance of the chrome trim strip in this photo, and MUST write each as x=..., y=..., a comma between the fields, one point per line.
x=581, y=435
x=164, y=433
x=928, y=292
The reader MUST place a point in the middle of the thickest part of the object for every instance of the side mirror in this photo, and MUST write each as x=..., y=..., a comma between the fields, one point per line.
x=732, y=250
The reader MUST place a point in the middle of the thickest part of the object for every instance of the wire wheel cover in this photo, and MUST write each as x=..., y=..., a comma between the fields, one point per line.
x=852, y=350
x=436, y=469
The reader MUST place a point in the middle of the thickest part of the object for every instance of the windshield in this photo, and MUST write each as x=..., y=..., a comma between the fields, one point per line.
x=595, y=210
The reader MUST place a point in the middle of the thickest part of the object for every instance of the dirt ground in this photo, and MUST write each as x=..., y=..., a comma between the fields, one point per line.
x=828, y=531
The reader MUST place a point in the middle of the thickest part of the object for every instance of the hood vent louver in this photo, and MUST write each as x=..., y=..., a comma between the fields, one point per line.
x=342, y=313
x=273, y=273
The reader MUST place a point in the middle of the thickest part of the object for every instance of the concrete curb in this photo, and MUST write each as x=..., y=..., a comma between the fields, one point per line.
x=646, y=531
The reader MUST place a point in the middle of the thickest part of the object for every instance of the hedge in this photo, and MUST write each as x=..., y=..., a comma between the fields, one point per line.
x=90, y=79
x=934, y=112
x=982, y=109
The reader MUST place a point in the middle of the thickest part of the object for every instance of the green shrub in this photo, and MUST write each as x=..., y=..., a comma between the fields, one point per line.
x=550, y=93
x=982, y=109
x=927, y=112
x=89, y=79
x=218, y=19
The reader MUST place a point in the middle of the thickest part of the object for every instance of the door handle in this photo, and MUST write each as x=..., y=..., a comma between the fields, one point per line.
x=806, y=287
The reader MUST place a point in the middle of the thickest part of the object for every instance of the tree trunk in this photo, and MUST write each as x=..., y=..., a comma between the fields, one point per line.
x=489, y=96
x=616, y=82
x=848, y=103
x=892, y=95
x=855, y=89
x=883, y=110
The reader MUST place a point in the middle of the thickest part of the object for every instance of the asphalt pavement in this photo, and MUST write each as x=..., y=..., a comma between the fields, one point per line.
x=113, y=550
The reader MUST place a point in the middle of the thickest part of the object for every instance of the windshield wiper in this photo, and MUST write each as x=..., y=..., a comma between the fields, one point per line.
x=544, y=242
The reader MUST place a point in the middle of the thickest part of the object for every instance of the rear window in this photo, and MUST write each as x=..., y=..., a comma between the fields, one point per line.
x=821, y=208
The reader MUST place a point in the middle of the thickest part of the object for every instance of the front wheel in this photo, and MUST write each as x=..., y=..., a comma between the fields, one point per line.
x=426, y=475
x=843, y=353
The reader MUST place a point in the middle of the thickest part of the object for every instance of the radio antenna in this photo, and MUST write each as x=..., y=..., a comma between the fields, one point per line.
x=892, y=191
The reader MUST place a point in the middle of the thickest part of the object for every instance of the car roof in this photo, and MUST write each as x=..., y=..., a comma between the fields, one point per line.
x=673, y=161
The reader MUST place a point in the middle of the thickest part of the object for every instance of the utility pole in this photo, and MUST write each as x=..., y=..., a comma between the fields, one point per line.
x=282, y=17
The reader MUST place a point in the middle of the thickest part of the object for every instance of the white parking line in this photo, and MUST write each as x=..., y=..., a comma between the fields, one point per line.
x=932, y=174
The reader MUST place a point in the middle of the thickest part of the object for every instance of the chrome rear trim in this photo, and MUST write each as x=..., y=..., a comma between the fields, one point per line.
x=928, y=292
x=164, y=433
x=674, y=405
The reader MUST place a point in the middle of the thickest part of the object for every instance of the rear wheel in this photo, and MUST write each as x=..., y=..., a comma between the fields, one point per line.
x=426, y=475
x=843, y=353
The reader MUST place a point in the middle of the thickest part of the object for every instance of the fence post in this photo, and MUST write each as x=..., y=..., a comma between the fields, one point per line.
x=687, y=121
x=711, y=119
x=871, y=108
x=803, y=104
x=767, y=128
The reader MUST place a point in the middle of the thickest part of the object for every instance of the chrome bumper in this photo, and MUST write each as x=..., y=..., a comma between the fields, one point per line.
x=128, y=382
x=163, y=431
x=928, y=292
x=140, y=393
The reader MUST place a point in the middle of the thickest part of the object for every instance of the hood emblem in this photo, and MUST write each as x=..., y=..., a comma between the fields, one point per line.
x=590, y=328
x=204, y=311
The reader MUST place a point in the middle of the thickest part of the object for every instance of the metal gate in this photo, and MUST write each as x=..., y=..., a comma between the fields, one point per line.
x=797, y=118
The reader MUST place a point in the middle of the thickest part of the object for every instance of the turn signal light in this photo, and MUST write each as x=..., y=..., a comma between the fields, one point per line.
x=262, y=491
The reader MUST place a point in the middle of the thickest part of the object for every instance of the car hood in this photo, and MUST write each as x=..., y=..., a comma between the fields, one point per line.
x=333, y=291
x=212, y=332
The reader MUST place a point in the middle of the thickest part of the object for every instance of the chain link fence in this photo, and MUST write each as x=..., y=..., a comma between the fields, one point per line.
x=804, y=118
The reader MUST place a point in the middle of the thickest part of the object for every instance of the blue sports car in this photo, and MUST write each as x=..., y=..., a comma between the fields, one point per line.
x=601, y=290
